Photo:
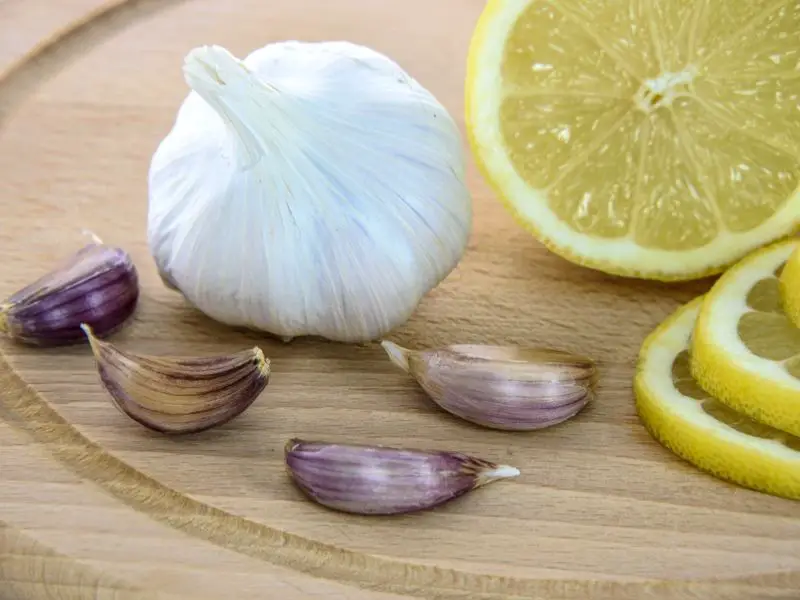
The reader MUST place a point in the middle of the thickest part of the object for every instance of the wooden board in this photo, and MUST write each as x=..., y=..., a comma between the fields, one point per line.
x=94, y=506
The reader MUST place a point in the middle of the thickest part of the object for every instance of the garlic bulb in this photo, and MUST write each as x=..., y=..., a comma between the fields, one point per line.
x=309, y=189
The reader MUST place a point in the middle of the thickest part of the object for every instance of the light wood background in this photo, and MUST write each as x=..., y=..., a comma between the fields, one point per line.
x=94, y=506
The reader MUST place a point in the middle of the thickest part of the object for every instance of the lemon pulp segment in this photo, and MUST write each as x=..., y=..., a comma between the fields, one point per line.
x=659, y=139
x=684, y=418
x=790, y=287
x=745, y=351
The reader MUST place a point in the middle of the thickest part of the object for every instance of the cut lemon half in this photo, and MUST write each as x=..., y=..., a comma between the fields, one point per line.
x=790, y=287
x=650, y=139
x=745, y=351
x=684, y=418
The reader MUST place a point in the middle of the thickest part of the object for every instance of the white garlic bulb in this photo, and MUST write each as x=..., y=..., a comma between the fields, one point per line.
x=313, y=188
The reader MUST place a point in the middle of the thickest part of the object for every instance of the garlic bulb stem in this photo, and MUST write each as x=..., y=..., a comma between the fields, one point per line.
x=228, y=86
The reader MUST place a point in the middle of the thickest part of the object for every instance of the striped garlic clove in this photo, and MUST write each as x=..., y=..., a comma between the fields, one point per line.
x=500, y=387
x=379, y=480
x=177, y=395
x=97, y=285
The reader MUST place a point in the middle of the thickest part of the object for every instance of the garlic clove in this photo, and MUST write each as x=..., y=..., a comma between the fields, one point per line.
x=500, y=387
x=180, y=394
x=381, y=480
x=97, y=285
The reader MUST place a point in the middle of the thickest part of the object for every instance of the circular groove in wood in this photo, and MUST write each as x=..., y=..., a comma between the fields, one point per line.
x=27, y=410
x=143, y=493
x=23, y=76
x=21, y=556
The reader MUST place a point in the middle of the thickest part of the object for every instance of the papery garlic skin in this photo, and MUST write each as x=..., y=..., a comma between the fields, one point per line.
x=501, y=387
x=310, y=189
x=180, y=394
x=98, y=285
x=380, y=480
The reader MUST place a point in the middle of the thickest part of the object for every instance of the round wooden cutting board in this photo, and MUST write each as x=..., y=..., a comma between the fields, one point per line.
x=94, y=506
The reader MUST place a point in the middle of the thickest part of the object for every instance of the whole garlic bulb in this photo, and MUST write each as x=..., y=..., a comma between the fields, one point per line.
x=313, y=188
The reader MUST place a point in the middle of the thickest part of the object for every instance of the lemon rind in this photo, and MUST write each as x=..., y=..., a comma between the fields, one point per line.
x=621, y=257
x=723, y=365
x=680, y=425
x=790, y=288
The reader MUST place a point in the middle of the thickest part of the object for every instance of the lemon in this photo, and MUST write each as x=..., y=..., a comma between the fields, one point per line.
x=790, y=288
x=684, y=418
x=651, y=139
x=745, y=351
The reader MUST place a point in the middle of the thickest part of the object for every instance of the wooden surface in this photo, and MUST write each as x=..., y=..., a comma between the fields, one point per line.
x=94, y=506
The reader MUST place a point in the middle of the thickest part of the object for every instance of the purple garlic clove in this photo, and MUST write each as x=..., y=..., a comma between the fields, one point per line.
x=379, y=480
x=98, y=286
x=180, y=394
x=501, y=387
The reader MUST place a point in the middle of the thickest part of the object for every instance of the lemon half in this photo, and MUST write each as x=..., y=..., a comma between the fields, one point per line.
x=745, y=351
x=650, y=139
x=700, y=429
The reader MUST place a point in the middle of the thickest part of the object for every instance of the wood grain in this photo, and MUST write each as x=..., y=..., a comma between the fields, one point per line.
x=93, y=506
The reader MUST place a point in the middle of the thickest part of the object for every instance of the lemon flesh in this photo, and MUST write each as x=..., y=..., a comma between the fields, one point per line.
x=790, y=288
x=684, y=418
x=659, y=140
x=745, y=351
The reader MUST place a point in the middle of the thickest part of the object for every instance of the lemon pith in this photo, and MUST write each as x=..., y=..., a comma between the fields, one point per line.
x=765, y=460
x=660, y=117
x=790, y=288
x=744, y=349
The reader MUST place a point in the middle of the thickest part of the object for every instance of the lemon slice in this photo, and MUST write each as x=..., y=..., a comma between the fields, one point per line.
x=745, y=351
x=684, y=418
x=790, y=288
x=650, y=139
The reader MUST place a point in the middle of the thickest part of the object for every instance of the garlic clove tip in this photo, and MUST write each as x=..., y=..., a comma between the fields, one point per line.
x=92, y=236
x=290, y=444
x=262, y=362
x=397, y=354
x=90, y=336
x=499, y=472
